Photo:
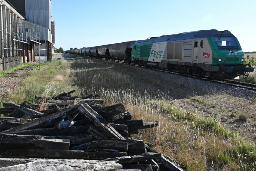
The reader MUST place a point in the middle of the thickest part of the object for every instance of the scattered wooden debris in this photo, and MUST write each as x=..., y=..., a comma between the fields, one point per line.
x=77, y=128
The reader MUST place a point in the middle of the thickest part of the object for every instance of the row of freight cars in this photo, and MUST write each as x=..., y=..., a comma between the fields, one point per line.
x=209, y=53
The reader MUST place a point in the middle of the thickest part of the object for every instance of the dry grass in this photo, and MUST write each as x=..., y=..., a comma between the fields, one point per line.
x=195, y=141
x=186, y=134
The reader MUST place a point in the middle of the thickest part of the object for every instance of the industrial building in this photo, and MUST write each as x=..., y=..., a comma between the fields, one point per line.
x=26, y=29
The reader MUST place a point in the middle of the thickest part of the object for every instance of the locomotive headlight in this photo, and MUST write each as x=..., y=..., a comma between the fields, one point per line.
x=242, y=60
x=219, y=60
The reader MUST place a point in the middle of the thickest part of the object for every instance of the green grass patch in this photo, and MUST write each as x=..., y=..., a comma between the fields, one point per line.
x=24, y=65
x=48, y=81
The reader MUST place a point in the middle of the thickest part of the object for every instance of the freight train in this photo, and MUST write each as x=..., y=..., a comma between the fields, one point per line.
x=209, y=53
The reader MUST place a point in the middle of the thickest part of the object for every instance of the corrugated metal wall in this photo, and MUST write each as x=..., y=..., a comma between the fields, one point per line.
x=38, y=11
x=19, y=5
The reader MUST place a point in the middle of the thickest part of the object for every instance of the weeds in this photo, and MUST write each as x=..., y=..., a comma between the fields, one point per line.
x=24, y=65
x=233, y=115
x=195, y=142
x=42, y=82
x=242, y=118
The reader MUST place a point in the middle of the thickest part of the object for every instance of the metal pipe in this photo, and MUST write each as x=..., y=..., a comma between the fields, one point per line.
x=2, y=35
x=39, y=54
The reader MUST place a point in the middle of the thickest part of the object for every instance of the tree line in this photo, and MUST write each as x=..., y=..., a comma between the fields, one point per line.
x=60, y=50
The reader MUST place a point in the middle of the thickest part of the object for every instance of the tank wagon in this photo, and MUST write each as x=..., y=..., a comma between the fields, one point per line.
x=210, y=53
x=117, y=51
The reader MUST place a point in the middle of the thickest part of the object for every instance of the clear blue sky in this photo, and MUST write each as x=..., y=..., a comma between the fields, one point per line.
x=86, y=23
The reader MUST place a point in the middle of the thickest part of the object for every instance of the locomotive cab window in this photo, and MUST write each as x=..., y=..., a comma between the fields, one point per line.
x=195, y=44
x=226, y=43
x=201, y=44
x=134, y=47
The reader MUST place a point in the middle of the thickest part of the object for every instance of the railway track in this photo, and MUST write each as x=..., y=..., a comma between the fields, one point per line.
x=230, y=82
x=235, y=83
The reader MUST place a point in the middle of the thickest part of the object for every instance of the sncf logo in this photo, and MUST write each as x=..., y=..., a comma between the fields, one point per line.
x=206, y=55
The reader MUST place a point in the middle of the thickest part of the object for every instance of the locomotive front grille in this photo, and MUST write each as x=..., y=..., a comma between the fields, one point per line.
x=229, y=59
x=236, y=59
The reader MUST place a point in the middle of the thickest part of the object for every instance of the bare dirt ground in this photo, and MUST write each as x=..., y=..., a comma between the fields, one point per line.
x=226, y=109
x=11, y=81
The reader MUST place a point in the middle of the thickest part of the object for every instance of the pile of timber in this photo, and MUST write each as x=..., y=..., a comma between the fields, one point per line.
x=66, y=127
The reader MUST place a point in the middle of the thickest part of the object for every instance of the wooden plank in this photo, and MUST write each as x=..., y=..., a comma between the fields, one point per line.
x=139, y=167
x=99, y=121
x=150, y=124
x=166, y=161
x=110, y=144
x=136, y=147
x=11, y=141
x=64, y=95
x=74, y=130
x=37, y=97
x=82, y=146
x=135, y=125
x=138, y=158
x=112, y=110
x=169, y=164
x=60, y=154
x=43, y=121
x=122, y=117
x=53, y=144
x=121, y=129
x=81, y=120
x=6, y=110
x=96, y=134
x=8, y=125
x=10, y=119
x=75, y=140
x=26, y=104
x=26, y=110
x=17, y=139
x=55, y=109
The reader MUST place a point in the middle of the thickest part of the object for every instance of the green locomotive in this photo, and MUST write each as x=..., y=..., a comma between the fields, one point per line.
x=206, y=52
